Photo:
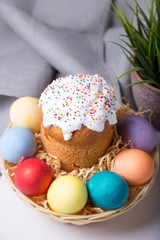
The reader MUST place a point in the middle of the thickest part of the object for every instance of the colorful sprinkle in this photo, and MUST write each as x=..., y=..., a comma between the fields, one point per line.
x=77, y=100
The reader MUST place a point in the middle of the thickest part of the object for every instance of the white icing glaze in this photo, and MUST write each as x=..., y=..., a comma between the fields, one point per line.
x=76, y=100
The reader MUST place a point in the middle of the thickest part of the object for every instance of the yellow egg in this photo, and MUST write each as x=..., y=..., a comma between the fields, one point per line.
x=25, y=112
x=67, y=195
x=134, y=165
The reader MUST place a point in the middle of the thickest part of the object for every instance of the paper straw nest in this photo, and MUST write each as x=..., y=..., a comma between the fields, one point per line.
x=89, y=213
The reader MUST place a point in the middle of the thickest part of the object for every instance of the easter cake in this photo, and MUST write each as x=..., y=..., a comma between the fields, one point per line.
x=66, y=157
x=79, y=112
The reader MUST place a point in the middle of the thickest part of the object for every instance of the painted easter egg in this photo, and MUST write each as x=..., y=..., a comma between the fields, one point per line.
x=67, y=195
x=107, y=190
x=17, y=143
x=134, y=165
x=25, y=112
x=33, y=177
x=139, y=130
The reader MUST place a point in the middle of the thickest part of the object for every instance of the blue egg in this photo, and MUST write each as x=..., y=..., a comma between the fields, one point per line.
x=139, y=131
x=107, y=190
x=17, y=142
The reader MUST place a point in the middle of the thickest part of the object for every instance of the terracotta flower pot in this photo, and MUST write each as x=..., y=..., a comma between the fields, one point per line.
x=148, y=97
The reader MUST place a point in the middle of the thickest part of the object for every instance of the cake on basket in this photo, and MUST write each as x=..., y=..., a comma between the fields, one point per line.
x=79, y=112
x=64, y=154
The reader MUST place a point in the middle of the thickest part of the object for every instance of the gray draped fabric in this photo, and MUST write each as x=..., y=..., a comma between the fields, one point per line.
x=39, y=39
x=43, y=39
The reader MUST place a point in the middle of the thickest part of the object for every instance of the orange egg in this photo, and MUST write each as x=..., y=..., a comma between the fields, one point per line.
x=134, y=165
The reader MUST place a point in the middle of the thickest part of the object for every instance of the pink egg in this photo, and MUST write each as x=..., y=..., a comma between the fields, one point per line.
x=33, y=177
x=134, y=165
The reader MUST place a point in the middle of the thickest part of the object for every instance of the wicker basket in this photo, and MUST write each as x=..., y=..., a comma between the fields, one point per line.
x=86, y=219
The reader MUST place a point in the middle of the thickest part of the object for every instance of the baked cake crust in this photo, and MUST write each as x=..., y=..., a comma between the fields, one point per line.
x=82, y=150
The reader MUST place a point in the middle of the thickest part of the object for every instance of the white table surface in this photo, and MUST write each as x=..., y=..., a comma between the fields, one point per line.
x=18, y=221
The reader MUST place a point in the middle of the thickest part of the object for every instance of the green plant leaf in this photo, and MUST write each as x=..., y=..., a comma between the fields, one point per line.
x=158, y=14
x=142, y=13
x=145, y=65
x=144, y=30
x=145, y=81
x=151, y=11
x=158, y=54
x=120, y=45
x=144, y=39
x=133, y=14
x=141, y=40
x=135, y=37
x=130, y=59
x=139, y=24
x=150, y=41
x=126, y=43
x=128, y=72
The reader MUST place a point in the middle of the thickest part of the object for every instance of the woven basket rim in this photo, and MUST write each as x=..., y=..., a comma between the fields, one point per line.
x=85, y=219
